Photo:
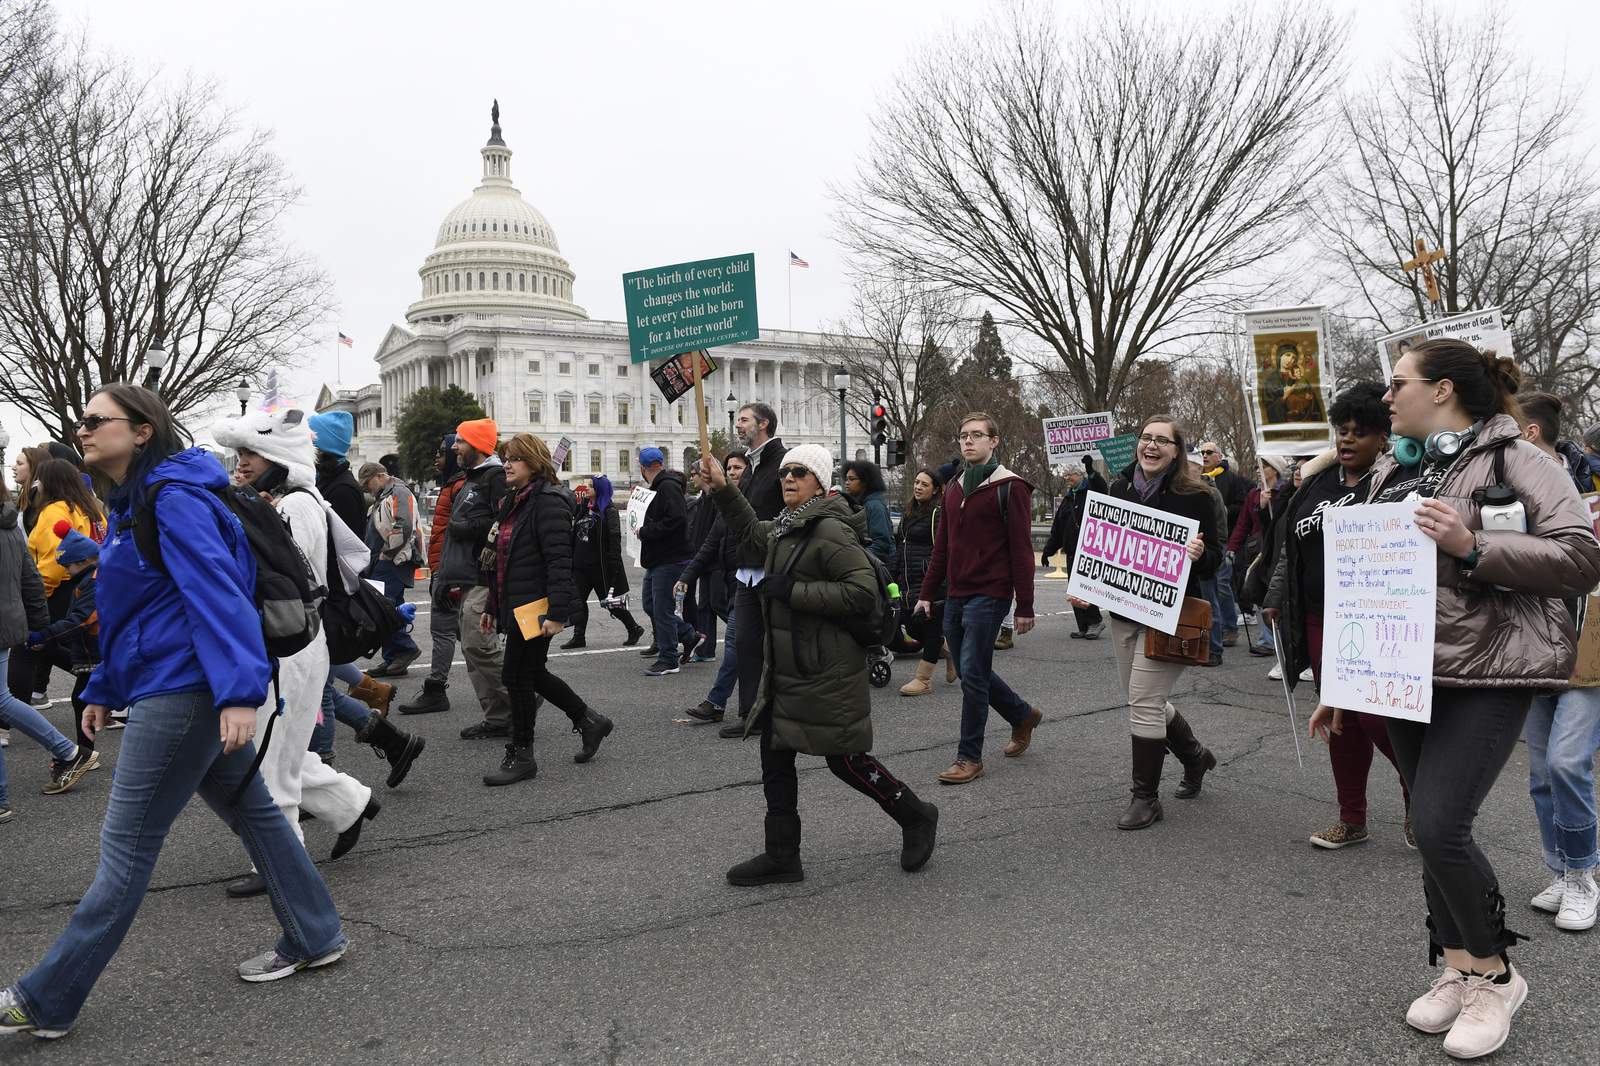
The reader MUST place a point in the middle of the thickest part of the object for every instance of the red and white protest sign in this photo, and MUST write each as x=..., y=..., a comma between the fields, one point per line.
x=1133, y=561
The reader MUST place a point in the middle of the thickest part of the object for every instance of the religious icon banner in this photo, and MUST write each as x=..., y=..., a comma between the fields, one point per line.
x=1287, y=380
x=1481, y=329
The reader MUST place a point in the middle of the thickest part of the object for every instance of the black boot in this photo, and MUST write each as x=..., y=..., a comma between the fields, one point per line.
x=251, y=884
x=576, y=640
x=347, y=839
x=593, y=728
x=919, y=824
x=1145, y=808
x=733, y=730
x=1195, y=756
x=431, y=701
x=780, y=863
x=397, y=746
x=518, y=765
x=635, y=630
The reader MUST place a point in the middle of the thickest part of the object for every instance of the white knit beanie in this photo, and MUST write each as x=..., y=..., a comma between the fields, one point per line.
x=280, y=437
x=814, y=457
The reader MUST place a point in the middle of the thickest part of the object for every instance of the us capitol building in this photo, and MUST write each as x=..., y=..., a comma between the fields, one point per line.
x=497, y=317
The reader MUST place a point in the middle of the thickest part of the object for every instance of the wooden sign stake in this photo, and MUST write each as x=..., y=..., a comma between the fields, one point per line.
x=700, y=403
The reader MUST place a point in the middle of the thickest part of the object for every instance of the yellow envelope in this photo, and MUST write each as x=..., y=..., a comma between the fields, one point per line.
x=530, y=618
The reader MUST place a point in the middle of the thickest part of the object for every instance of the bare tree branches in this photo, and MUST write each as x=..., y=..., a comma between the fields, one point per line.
x=155, y=219
x=1108, y=191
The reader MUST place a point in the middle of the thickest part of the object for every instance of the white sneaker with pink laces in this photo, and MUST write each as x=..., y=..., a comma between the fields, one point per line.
x=1435, y=1010
x=1485, y=1019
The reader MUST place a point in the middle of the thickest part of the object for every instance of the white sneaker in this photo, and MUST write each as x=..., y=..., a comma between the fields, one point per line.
x=1485, y=1019
x=1549, y=900
x=1435, y=1010
x=41, y=701
x=5, y=738
x=1276, y=673
x=1307, y=675
x=1579, y=898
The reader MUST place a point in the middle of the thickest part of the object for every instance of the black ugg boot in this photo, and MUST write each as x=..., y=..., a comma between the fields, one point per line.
x=431, y=701
x=1144, y=810
x=919, y=824
x=1195, y=756
x=780, y=863
x=593, y=728
x=397, y=746
x=518, y=765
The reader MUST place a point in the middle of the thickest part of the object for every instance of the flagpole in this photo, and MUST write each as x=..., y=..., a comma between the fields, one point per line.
x=790, y=276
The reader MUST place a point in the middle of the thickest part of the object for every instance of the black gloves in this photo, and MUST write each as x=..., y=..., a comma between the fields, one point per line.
x=776, y=587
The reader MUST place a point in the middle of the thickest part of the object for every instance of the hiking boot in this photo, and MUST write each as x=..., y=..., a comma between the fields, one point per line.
x=14, y=1018
x=961, y=771
x=1485, y=1019
x=375, y=694
x=431, y=700
x=733, y=730
x=66, y=773
x=1340, y=835
x=922, y=684
x=780, y=862
x=705, y=711
x=518, y=765
x=1006, y=640
x=347, y=839
x=1230, y=638
x=1549, y=900
x=251, y=884
x=1436, y=1009
x=270, y=966
x=593, y=728
x=485, y=731
x=400, y=749
x=919, y=825
x=397, y=666
x=1261, y=650
x=1579, y=898
x=1022, y=733
x=575, y=641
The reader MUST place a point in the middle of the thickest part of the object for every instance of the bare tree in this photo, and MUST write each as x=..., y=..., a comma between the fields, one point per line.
x=155, y=221
x=1466, y=146
x=26, y=85
x=1107, y=189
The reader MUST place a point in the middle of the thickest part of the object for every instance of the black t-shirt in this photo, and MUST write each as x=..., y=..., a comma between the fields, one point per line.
x=1422, y=479
x=1326, y=490
x=586, y=540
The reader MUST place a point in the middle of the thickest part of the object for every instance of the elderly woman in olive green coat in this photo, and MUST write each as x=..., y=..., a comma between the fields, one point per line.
x=814, y=697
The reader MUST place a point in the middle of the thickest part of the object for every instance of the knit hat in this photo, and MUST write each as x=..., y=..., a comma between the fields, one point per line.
x=1591, y=438
x=481, y=433
x=1280, y=463
x=281, y=437
x=369, y=471
x=814, y=457
x=333, y=431
x=75, y=547
x=651, y=456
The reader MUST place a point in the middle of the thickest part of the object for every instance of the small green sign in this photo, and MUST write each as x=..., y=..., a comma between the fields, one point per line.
x=1117, y=452
x=685, y=306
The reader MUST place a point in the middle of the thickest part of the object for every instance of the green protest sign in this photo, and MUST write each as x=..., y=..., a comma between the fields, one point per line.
x=1117, y=452
x=685, y=306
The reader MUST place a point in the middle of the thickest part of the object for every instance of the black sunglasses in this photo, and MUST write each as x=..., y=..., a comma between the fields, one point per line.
x=796, y=472
x=90, y=423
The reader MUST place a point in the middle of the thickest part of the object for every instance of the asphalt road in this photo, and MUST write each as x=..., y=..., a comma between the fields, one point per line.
x=583, y=917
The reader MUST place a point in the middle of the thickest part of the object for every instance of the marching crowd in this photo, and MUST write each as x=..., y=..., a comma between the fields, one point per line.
x=181, y=614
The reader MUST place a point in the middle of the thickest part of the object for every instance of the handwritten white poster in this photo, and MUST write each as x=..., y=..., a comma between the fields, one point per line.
x=1379, y=604
x=1069, y=438
x=638, y=503
x=1133, y=561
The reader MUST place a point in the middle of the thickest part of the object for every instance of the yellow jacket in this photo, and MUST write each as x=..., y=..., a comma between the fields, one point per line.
x=43, y=542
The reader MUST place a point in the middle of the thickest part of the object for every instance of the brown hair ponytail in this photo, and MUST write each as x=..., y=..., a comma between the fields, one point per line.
x=1485, y=383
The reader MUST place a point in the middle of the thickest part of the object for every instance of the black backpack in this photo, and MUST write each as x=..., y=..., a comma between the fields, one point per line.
x=287, y=593
x=878, y=626
x=355, y=623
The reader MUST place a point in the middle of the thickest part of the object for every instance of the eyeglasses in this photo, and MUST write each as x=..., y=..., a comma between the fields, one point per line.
x=1397, y=382
x=796, y=472
x=972, y=435
x=90, y=423
x=1210, y=451
x=1149, y=438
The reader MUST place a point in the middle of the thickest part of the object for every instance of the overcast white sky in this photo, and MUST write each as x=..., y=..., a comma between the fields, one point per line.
x=646, y=132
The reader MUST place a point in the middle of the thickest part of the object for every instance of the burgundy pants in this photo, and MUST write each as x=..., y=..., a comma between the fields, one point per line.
x=1351, y=751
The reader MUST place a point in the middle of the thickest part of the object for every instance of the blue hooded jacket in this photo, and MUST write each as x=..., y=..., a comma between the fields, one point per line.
x=196, y=625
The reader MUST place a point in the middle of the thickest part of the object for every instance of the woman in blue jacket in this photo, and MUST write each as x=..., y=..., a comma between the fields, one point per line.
x=182, y=650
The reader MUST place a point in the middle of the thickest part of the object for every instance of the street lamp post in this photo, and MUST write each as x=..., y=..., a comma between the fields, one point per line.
x=155, y=361
x=732, y=406
x=841, y=383
x=5, y=442
x=243, y=395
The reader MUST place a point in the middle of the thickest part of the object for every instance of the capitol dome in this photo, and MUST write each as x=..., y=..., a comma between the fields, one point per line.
x=495, y=253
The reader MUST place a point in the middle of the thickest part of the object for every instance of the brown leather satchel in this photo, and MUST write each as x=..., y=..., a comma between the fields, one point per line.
x=1191, y=644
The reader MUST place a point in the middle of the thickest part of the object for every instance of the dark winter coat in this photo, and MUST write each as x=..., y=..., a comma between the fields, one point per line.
x=764, y=489
x=1069, y=519
x=1284, y=588
x=338, y=487
x=880, y=530
x=79, y=629
x=1197, y=506
x=439, y=523
x=717, y=562
x=606, y=558
x=472, y=512
x=664, y=533
x=1233, y=490
x=22, y=606
x=813, y=672
x=537, y=560
x=914, y=544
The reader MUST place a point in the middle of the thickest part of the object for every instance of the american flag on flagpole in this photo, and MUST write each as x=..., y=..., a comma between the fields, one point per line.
x=796, y=261
x=348, y=343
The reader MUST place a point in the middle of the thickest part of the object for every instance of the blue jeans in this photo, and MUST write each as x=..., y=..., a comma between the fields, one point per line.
x=1224, y=608
x=30, y=723
x=670, y=630
x=1208, y=589
x=337, y=707
x=728, y=669
x=169, y=752
x=971, y=624
x=1563, y=733
x=395, y=583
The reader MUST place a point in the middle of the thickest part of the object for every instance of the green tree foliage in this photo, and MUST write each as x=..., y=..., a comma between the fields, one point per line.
x=425, y=416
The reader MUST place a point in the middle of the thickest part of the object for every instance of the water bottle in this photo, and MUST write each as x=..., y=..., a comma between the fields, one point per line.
x=677, y=603
x=1502, y=510
x=893, y=589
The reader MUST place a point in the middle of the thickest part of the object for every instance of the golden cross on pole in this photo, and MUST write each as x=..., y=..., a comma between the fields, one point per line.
x=1424, y=261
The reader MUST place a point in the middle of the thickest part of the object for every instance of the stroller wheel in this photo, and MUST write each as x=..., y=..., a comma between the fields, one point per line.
x=879, y=674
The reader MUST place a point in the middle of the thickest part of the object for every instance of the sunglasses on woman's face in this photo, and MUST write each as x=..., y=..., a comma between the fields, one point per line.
x=796, y=472
x=90, y=423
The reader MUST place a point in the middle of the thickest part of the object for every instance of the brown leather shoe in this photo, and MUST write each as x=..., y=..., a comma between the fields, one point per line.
x=1022, y=735
x=374, y=693
x=961, y=771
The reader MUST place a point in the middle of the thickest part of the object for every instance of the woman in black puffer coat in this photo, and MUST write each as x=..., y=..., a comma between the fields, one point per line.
x=914, y=548
x=532, y=546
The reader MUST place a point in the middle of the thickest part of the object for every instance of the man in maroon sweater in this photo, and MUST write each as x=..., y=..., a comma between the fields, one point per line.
x=985, y=557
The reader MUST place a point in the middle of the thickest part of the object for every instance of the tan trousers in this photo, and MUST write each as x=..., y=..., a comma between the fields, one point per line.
x=1148, y=684
x=482, y=652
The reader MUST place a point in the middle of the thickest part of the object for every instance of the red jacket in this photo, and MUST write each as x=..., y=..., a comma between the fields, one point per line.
x=441, y=519
x=969, y=554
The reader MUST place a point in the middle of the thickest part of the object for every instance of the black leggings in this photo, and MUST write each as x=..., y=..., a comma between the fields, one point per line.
x=862, y=772
x=928, y=629
x=588, y=582
x=1450, y=765
x=527, y=677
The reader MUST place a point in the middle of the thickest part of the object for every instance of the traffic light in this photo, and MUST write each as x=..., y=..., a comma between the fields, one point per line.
x=880, y=424
x=897, y=453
